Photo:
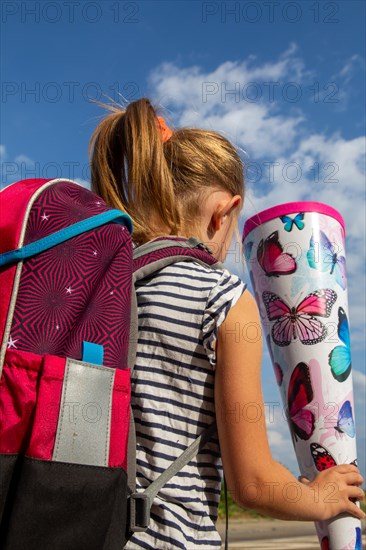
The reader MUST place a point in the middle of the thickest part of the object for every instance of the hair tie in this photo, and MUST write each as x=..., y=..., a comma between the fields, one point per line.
x=165, y=131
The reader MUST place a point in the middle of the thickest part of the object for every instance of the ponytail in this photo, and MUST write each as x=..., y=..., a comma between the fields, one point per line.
x=158, y=177
x=130, y=172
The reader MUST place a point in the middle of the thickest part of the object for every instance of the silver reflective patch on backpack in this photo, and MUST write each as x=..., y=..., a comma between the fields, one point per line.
x=83, y=430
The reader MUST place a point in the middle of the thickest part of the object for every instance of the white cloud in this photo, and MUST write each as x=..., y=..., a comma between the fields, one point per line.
x=341, y=87
x=349, y=68
x=24, y=161
x=276, y=439
x=234, y=99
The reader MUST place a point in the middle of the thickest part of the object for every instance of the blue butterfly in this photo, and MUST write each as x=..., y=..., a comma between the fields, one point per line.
x=321, y=256
x=290, y=222
x=339, y=358
x=345, y=423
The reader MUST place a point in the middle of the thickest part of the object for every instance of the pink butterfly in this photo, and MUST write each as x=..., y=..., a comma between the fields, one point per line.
x=299, y=322
x=300, y=394
x=272, y=259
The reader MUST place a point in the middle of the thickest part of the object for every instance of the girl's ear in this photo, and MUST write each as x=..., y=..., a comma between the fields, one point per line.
x=220, y=215
x=233, y=204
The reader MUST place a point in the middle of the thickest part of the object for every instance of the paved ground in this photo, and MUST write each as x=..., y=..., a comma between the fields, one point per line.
x=262, y=534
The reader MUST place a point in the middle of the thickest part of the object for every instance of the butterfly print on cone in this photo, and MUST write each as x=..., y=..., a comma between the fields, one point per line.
x=322, y=457
x=322, y=256
x=300, y=394
x=345, y=422
x=299, y=322
x=340, y=357
x=272, y=259
x=290, y=222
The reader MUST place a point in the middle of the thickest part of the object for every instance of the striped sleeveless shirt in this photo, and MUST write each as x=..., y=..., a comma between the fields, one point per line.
x=180, y=308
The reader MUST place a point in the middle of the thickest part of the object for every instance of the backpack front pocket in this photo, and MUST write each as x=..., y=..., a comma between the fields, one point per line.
x=70, y=489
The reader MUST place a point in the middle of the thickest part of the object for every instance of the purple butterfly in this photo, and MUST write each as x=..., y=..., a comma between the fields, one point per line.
x=322, y=256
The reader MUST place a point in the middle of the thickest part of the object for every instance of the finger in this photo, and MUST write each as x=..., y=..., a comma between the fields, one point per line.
x=353, y=478
x=345, y=468
x=355, y=511
x=355, y=492
x=304, y=480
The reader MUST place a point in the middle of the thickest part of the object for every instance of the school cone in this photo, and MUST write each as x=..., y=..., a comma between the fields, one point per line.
x=296, y=259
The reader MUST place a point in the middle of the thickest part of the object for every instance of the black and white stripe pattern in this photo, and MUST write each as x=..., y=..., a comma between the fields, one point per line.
x=179, y=310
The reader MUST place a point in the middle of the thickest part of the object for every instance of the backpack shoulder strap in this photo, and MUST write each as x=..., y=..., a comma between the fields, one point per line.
x=148, y=258
x=155, y=255
x=141, y=502
x=36, y=247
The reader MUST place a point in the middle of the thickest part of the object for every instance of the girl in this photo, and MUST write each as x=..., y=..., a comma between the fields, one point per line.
x=193, y=364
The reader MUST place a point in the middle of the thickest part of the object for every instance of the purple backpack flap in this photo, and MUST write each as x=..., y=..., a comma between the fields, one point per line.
x=65, y=295
x=147, y=259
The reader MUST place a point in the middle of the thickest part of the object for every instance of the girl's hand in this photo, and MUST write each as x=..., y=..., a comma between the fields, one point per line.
x=337, y=488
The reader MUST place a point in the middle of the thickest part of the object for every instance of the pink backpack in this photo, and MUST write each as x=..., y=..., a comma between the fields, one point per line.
x=69, y=330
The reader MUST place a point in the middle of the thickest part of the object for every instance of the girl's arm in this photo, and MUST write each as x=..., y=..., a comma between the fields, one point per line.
x=255, y=480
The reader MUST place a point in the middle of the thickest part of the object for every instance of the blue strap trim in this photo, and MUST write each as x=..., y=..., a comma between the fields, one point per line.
x=63, y=235
x=93, y=353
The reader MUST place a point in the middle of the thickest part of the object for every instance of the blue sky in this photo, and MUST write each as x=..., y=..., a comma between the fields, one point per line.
x=283, y=80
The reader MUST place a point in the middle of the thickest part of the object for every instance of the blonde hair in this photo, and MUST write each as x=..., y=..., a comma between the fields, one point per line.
x=160, y=185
